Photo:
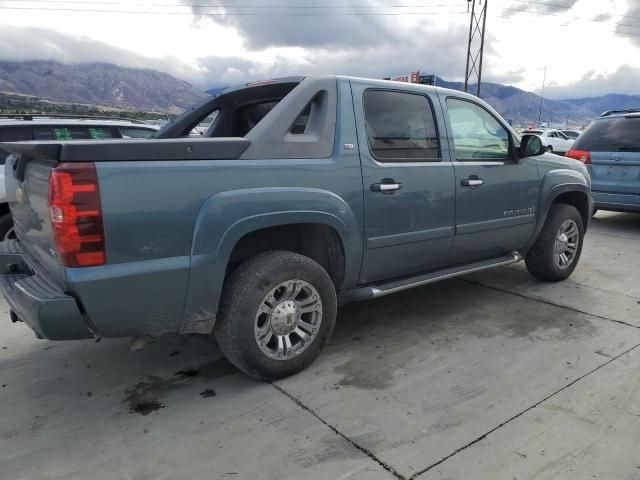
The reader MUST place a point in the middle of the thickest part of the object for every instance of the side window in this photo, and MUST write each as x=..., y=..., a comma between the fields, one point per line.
x=400, y=126
x=477, y=135
x=72, y=132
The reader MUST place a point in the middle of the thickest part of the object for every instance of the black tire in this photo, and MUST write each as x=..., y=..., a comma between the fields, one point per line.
x=6, y=227
x=540, y=258
x=243, y=295
x=550, y=149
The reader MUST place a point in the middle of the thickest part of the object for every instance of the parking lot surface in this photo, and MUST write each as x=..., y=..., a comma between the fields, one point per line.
x=490, y=376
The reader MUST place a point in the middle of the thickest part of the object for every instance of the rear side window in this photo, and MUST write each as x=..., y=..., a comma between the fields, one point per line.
x=13, y=134
x=611, y=135
x=400, y=126
x=70, y=132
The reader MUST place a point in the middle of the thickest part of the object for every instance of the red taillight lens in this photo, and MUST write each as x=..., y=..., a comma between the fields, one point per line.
x=76, y=214
x=580, y=155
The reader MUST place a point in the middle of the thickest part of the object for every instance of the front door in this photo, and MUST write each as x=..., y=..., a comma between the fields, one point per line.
x=409, y=191
x=496, y=195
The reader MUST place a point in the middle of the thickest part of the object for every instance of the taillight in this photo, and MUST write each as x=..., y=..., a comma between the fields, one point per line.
x=580, y=155
x=76, y=214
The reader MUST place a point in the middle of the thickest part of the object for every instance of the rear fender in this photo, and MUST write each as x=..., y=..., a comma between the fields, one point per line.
x=228, y=216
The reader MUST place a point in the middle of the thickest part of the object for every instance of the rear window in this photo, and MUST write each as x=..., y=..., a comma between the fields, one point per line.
x=611, y=135
x=13, y=134
x=63, y=132
x=133, y=132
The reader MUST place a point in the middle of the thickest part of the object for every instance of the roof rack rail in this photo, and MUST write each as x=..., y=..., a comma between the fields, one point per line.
x=31, y=116
x=626, y=110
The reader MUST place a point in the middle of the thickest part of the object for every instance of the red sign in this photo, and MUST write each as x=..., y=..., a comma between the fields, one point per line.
x=413, y=77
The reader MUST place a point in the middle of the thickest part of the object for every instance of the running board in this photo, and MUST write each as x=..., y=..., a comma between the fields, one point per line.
x=375, y=291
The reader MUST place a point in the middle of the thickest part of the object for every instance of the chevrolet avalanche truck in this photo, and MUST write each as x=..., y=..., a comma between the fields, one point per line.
x=303, y=194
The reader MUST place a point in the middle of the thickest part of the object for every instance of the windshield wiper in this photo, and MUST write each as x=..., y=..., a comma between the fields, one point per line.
x=629, y=149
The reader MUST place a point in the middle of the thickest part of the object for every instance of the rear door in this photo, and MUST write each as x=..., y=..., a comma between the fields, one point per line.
x=614, y=147
x=408, y=185
x=496, y=195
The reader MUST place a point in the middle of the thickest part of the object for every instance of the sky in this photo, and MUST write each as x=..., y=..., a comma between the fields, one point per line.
x=588, y=47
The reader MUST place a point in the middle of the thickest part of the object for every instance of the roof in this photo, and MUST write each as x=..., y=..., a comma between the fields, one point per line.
x=623, y=112
x=41, y=121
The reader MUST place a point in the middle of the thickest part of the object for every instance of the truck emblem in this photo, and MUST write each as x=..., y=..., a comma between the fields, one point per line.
x=617, y=157
x=20, y=196
x=349, y=146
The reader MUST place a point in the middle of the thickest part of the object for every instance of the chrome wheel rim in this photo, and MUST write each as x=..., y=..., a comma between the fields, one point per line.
x=288, y=319
x=566, y=244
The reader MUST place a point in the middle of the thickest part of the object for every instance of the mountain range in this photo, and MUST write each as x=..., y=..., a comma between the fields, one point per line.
x=99, y=83
x=150, y=90
x=524, y=107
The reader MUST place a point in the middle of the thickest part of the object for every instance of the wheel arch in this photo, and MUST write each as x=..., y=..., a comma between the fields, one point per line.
x=563, y=186
x=231, y=225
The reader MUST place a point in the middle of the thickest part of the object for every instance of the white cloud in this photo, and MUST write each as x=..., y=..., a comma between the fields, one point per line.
x=220, y=50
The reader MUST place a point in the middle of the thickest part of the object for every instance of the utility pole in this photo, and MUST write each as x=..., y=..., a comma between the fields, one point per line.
x=475, y=53
x=544, y=81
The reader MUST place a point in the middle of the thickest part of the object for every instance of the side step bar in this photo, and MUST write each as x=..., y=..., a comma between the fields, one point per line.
x=374, y=291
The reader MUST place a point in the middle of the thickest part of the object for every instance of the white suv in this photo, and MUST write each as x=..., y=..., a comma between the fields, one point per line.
x=17, y=128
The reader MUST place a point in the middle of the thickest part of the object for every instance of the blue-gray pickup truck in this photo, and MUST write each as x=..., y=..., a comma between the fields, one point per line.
x=303, y=194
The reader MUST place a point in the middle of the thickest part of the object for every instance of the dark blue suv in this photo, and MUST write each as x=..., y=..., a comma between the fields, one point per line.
x=610, y=147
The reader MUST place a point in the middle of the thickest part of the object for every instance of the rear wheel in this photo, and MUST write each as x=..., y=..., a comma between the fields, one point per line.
x=278, y=310
x=557, y=250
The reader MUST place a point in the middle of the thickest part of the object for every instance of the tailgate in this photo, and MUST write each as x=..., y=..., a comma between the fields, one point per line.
x=615, y=172
x=27, y=184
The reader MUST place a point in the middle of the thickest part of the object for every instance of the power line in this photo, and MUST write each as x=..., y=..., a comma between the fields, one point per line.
x=581, y=19
x=224, y=14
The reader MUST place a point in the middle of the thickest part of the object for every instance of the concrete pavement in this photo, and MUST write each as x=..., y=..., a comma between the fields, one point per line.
x=490, y=376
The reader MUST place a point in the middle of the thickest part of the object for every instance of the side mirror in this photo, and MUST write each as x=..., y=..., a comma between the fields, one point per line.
x=531, y=146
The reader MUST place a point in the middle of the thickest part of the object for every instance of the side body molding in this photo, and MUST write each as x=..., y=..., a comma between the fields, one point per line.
x=228, y=216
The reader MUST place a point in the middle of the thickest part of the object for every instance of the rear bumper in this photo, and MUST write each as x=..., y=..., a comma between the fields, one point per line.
x=50, y=312
x=616, y=201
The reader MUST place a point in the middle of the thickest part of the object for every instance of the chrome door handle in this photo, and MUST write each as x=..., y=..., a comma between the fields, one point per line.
x=386, y=187
x=472, y=182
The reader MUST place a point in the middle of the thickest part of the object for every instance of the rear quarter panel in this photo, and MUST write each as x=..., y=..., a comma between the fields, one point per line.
x=170, y=227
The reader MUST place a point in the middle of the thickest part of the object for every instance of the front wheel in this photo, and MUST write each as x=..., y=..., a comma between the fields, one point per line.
x=557, y=250
x=550, y=149
x=278, y=310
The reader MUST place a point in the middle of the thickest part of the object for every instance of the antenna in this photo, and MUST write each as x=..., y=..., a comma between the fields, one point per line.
x=475, y=53
x=544, y=81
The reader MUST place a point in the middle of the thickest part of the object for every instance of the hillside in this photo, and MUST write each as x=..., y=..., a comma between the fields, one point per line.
x=99, y=84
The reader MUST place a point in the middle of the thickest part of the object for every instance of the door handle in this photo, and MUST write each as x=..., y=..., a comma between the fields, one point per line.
x=386, y=186
x=472, y=182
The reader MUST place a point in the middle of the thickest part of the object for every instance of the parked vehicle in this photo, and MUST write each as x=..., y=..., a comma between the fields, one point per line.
x=610, y=147
x=572, y=134
x=43, y=127
x=305, y=193
x=553, y=140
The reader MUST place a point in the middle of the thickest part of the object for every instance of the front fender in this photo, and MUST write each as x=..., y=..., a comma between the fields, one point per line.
x=555, y=183
x=228, y=216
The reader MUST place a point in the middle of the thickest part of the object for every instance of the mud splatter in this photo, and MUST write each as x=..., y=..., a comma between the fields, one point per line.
x=208, y=393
